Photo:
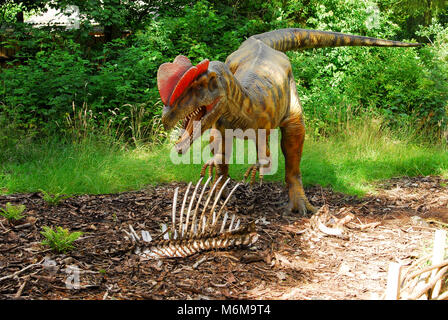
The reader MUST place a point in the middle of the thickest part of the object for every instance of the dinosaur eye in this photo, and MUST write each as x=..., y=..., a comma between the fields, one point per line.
x=212, y=84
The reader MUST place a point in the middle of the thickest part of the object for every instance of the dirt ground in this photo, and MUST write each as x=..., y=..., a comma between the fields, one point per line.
x=291, y=260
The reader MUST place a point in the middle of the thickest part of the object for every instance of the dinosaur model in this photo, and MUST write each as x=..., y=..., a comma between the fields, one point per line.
x=253, y=89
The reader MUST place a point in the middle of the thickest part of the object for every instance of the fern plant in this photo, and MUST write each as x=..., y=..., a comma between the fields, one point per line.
x=53, y=199
x=12, y=213
x=60, y=240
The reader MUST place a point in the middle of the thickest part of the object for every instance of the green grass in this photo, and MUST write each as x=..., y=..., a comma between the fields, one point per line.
x=353, y=163
x=350, y=161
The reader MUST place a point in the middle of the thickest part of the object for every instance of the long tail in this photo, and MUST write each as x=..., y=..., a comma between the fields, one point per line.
x=294, y=38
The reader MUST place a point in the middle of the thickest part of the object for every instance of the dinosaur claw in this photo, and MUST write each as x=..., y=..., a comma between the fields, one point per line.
x=251, y=174
x=301, y=205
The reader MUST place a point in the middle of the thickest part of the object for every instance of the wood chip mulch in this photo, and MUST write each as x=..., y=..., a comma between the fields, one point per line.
x=291, y=260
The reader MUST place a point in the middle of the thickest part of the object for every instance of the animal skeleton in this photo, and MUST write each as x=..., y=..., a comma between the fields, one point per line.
x=196, y=233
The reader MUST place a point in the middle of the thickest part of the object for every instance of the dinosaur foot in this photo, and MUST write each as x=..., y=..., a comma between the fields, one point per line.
x=301, y=205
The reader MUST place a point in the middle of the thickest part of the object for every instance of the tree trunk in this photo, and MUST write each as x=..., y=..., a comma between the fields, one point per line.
x=428, y=13
x=111, y=32
x=19, y=17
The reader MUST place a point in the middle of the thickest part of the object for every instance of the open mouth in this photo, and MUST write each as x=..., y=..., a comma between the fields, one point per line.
x=195, y=123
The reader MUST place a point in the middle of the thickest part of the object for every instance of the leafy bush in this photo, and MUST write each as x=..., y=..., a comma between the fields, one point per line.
x=59, y=70
x=56, y=72
x=39, y=92
x=406, y=85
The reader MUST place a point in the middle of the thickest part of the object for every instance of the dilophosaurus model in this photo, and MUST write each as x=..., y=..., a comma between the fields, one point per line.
x=253, y=89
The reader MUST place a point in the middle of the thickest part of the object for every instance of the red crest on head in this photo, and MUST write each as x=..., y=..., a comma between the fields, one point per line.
x=173, y=78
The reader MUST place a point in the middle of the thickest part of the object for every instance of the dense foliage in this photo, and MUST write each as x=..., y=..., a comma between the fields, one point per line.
x=55, y=70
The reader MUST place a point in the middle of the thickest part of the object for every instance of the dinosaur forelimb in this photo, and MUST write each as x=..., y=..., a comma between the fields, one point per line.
x=216, y=163
x=221, y=169
x=261, y=166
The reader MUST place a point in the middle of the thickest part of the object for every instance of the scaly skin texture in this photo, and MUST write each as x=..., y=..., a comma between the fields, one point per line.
x=255, y=89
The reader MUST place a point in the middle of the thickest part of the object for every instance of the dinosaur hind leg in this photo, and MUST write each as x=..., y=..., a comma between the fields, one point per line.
x=293, y=136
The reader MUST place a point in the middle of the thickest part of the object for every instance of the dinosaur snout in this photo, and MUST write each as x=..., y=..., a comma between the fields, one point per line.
x=167, y=118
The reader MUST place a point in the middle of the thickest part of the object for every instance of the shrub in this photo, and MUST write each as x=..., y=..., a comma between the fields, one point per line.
x=60, y=69
x=405, y=85
x=38, y=92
